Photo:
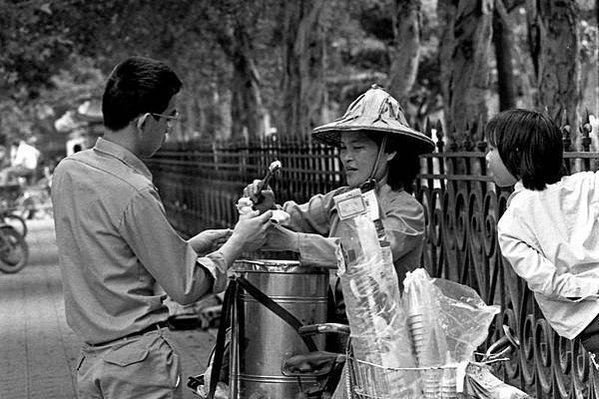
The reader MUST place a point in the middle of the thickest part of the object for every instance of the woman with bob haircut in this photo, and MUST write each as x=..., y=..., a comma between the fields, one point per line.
x=549, y=232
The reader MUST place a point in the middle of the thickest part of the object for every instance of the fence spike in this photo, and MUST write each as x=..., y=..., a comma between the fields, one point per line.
x=416, y=125
x=453, y=145
x=480, y=128
x=587, y=116
x=467, y=143
x=427, y=127
x=585, y=131
x=440, y=136
x=564, y=120
x=546, y=111
x=566, y=137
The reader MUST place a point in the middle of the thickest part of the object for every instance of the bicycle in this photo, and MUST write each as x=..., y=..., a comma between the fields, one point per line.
x=320, y=374
x=14, y=251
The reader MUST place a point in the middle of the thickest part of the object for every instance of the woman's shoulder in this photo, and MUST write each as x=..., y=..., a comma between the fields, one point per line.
x=575, y=184
x=400, y=202
x=402, y=198
x=581, y=178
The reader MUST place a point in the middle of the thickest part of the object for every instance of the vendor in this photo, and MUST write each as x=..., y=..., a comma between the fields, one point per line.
x=375, y=142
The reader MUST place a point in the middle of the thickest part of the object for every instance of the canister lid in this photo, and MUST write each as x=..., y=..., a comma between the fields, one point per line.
x=275, y=266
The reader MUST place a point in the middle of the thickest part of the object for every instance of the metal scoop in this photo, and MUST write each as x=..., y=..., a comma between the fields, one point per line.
x=273, y=168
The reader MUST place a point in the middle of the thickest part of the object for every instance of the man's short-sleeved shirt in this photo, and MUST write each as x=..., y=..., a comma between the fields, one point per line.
x=115, y=243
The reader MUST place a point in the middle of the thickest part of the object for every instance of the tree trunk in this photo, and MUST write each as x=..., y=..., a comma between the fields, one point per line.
x=446, y=11
x=303, y=81
x=465, y=64
x=554, y=47
x=247, y=109
x=405, y=54
x=502, y=39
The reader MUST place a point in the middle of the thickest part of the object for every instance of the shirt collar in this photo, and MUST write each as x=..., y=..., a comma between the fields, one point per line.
x=122, y=154
x=518, y=187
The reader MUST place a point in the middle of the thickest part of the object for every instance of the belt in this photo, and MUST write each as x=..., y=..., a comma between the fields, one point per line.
x=150, y=328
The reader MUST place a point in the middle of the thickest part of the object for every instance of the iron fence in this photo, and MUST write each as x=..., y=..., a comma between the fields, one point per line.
x=200, y=183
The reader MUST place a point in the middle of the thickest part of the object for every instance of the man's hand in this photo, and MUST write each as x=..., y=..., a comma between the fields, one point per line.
x=209, y=240
x=248, y=235
x=251, y=230
x=263, y=199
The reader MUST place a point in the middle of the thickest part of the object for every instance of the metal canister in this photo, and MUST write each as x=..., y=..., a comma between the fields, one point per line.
x=261, y=341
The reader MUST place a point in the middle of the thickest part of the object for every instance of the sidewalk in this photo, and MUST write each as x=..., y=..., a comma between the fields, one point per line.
x=38, y=349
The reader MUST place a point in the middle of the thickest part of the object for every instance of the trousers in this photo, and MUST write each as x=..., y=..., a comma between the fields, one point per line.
x=145, y=366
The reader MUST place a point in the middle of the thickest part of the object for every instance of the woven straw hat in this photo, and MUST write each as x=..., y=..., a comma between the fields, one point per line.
x=376, y=111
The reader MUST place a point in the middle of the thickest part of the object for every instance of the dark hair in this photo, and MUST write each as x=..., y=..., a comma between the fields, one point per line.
x=529, y=144
x=135, y=86
x=404, y=166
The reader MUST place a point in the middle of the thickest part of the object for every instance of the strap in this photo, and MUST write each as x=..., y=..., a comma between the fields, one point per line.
x=219, y=348
x=379, y=155
x=228, y=302
x=277, y=309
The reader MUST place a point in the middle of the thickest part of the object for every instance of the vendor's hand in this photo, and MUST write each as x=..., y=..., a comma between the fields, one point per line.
x=280, y=238
x=263, y=199
x=209, y=240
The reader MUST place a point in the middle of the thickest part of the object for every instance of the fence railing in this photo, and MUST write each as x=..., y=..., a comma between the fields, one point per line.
x=200, y=183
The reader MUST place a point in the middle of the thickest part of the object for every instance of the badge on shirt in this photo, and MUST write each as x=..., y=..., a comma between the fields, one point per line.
x=350, y=204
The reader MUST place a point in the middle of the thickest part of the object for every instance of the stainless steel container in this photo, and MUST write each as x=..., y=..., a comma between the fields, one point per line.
x=261, y=341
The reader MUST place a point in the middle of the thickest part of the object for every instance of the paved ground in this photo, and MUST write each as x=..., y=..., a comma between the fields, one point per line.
x=37, y=348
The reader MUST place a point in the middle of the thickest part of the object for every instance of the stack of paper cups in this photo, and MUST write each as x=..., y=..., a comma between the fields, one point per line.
x=448, y=384
x=416, y=326
x=420, y=339
x=430, y=384
x=397, y=383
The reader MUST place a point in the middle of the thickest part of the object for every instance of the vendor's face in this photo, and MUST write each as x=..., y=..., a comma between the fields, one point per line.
x=358, y=154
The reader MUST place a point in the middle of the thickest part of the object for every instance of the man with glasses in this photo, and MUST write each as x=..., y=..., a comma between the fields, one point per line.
x=115, y=243
x=170, y=119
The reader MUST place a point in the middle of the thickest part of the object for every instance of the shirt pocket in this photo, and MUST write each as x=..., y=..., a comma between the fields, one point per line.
x=127, y=354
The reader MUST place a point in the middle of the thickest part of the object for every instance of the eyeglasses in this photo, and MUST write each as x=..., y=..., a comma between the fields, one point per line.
x=170, y=119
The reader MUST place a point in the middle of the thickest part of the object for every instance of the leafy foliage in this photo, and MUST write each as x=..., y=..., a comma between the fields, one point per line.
x=54, y=54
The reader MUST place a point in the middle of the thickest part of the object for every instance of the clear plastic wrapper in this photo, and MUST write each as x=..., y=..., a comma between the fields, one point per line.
x=373, y=303
x=465, y=318
x=447, y=322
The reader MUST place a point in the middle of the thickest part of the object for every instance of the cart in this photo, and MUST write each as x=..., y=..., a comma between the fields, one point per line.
x=365, y=380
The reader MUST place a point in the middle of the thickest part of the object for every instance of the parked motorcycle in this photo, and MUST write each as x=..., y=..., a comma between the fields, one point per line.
x=14, y=251
x=10, y=209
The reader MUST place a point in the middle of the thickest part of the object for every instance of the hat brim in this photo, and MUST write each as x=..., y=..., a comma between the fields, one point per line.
x=331, y=135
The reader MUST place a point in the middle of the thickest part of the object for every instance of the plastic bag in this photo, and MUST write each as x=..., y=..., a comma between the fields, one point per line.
x=464, y=317
x=447, y=322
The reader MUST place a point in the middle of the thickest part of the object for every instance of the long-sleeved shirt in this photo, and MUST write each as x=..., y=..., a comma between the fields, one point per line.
x=317, y=219
x=115, y=243
x=551, y=240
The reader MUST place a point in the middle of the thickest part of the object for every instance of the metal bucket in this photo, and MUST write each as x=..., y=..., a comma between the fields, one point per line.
x=261, y=341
